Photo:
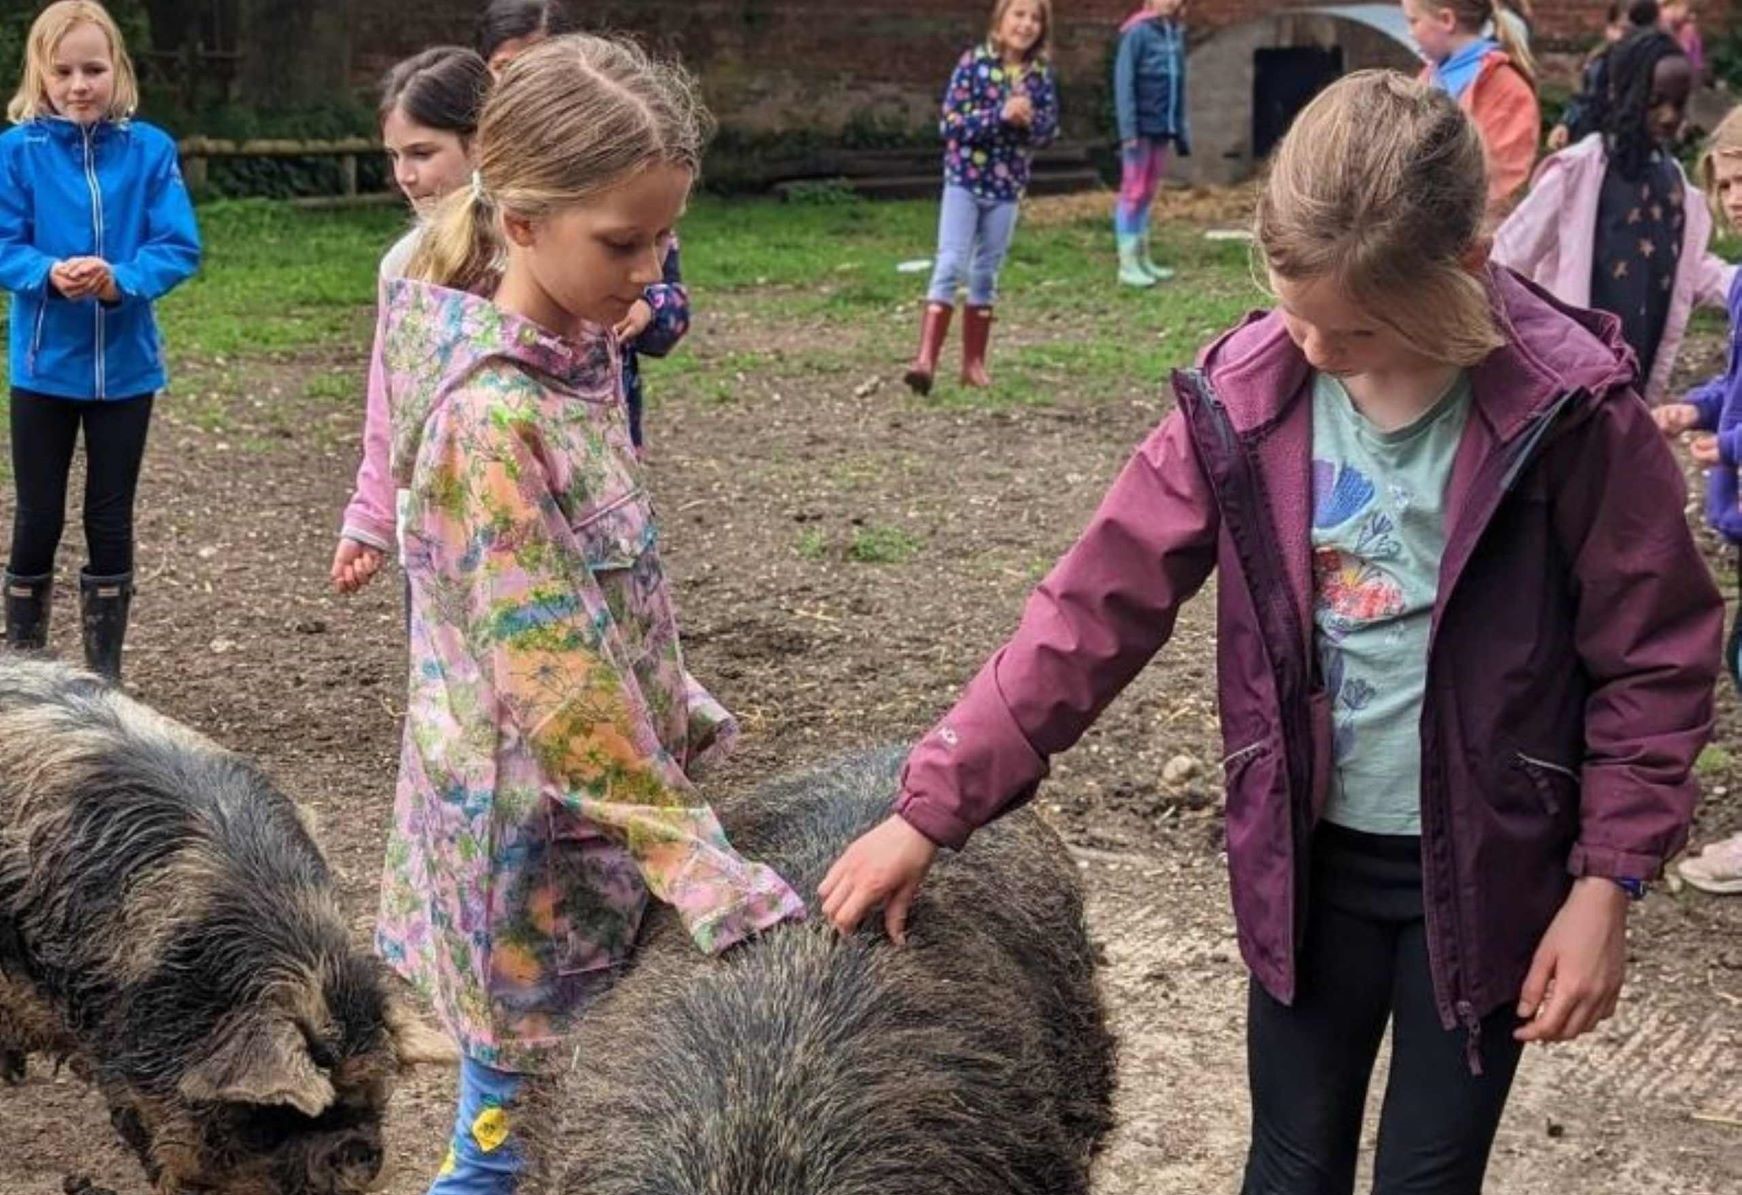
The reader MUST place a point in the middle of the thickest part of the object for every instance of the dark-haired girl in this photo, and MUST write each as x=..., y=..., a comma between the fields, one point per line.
x=1611, y=222
x=429, y=113
x=507, y=27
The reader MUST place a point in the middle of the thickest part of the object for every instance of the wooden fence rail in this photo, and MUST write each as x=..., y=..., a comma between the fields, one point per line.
x=196, y=152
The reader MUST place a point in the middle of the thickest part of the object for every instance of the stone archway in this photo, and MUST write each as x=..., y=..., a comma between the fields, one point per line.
x=1248, y=81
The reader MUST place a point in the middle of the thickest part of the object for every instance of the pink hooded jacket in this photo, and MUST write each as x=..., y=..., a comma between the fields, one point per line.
x=1551, y=237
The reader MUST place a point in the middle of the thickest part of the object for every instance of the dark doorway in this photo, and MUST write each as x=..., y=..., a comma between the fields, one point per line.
x=1285, y=80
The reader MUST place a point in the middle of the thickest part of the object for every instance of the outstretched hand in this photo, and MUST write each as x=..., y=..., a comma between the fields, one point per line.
x=884, y=866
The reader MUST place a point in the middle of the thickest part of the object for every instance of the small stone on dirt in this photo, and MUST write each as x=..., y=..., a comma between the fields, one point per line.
x=1179, y=769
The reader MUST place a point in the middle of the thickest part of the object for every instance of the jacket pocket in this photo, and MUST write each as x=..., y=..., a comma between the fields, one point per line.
x=595, y=897
x=616, y=533
x=1247, y=773
x=1554, y=785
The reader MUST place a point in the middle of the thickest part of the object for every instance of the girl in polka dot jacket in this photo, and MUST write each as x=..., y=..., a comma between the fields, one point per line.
x=1001, y=104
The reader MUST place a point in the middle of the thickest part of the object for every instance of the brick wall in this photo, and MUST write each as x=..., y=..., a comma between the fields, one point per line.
x=825, y=65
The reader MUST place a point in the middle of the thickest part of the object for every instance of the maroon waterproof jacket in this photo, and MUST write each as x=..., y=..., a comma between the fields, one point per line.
x=1570, y=668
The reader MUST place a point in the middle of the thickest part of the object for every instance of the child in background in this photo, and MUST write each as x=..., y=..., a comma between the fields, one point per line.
x=1493, y=78
x=1516, y=17
x=95, y=226
x=1583, y=114
x=552, y=730
x=1607, y=223
x=1149, y=98
x=1680, y=22
x=1714, y=411
x=429, y=115
x=507, y=27
x=658, y=320
x=1463, y=676
x=655, y=324
x=999, y=107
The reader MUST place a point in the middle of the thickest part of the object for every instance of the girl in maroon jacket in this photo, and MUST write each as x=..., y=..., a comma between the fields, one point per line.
x=1462, y=677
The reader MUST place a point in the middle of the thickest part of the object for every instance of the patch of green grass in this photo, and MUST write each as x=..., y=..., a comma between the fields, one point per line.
x=882, y=545
x=278, y=278
x=1714, y=761
x=813, y=544
x=339, y=385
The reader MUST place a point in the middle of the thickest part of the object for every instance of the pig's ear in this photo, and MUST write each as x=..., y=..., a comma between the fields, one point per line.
x=266, y=1064
x=415, y=1043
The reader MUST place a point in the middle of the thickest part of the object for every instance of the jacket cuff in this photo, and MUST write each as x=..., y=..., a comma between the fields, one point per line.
x=1730, y=446
x=769, y=902
x=1589, y=859
x=944, y=828
x=372, y=536
x=126, y=281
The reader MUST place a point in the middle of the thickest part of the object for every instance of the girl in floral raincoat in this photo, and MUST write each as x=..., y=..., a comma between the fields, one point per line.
x=552, y=729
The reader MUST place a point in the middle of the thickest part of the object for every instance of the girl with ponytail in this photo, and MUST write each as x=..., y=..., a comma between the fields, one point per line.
x=1477, y=54
x=546, y=784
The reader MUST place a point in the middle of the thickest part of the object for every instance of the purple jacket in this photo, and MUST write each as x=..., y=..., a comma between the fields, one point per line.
x=1720, y=405
x=1570, y=669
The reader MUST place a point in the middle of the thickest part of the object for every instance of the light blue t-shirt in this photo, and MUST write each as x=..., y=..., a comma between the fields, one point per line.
x=1378, y=535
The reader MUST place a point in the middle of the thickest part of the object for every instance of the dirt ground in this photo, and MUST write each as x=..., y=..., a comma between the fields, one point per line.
x=818, y=650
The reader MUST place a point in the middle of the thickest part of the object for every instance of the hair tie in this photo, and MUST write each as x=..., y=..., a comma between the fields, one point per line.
x=478, y=188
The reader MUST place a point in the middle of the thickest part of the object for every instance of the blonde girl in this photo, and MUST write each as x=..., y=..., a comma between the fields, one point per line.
x=552, y=730
x=1462, y=676
x=95, y=226
x=1712, y=416
x=999, y=106
x=1478, y=55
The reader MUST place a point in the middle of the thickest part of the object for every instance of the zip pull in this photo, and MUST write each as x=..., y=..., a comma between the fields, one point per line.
x=1472, y=1035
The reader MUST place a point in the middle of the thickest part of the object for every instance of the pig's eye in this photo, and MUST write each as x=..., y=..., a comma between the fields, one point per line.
x=323, y=1054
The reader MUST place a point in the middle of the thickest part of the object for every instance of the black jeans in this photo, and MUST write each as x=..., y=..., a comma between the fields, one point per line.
x=44, y=430
x=1365, y=964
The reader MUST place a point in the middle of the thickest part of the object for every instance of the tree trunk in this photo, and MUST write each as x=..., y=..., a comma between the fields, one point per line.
x=295, y=53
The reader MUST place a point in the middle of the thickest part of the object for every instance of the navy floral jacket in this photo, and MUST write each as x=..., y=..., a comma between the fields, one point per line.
x=982, y=152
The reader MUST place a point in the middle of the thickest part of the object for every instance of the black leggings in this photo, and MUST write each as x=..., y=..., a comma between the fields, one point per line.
x=44, y=431
x=1365, y=964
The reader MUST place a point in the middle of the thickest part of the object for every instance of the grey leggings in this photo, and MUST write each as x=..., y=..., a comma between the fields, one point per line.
x=973, y=237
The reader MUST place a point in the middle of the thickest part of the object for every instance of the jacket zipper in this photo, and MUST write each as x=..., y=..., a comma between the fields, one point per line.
x=1462, y=1008
x=1276, y=610
x=1235, y=757
x=97, y=229
x=1546, y=766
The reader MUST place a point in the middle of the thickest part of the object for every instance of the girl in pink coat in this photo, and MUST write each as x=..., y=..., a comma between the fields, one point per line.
x=1612, y=223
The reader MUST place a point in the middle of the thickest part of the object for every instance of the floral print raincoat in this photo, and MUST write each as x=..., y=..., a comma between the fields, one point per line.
x=552, y=730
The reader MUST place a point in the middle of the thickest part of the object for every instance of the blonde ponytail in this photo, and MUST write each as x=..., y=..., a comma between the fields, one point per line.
x=461, y=247
x=1507, y=35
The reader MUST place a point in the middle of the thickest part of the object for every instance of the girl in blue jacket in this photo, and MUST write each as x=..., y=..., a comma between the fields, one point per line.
x=1149, y=99
x=95, y=224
